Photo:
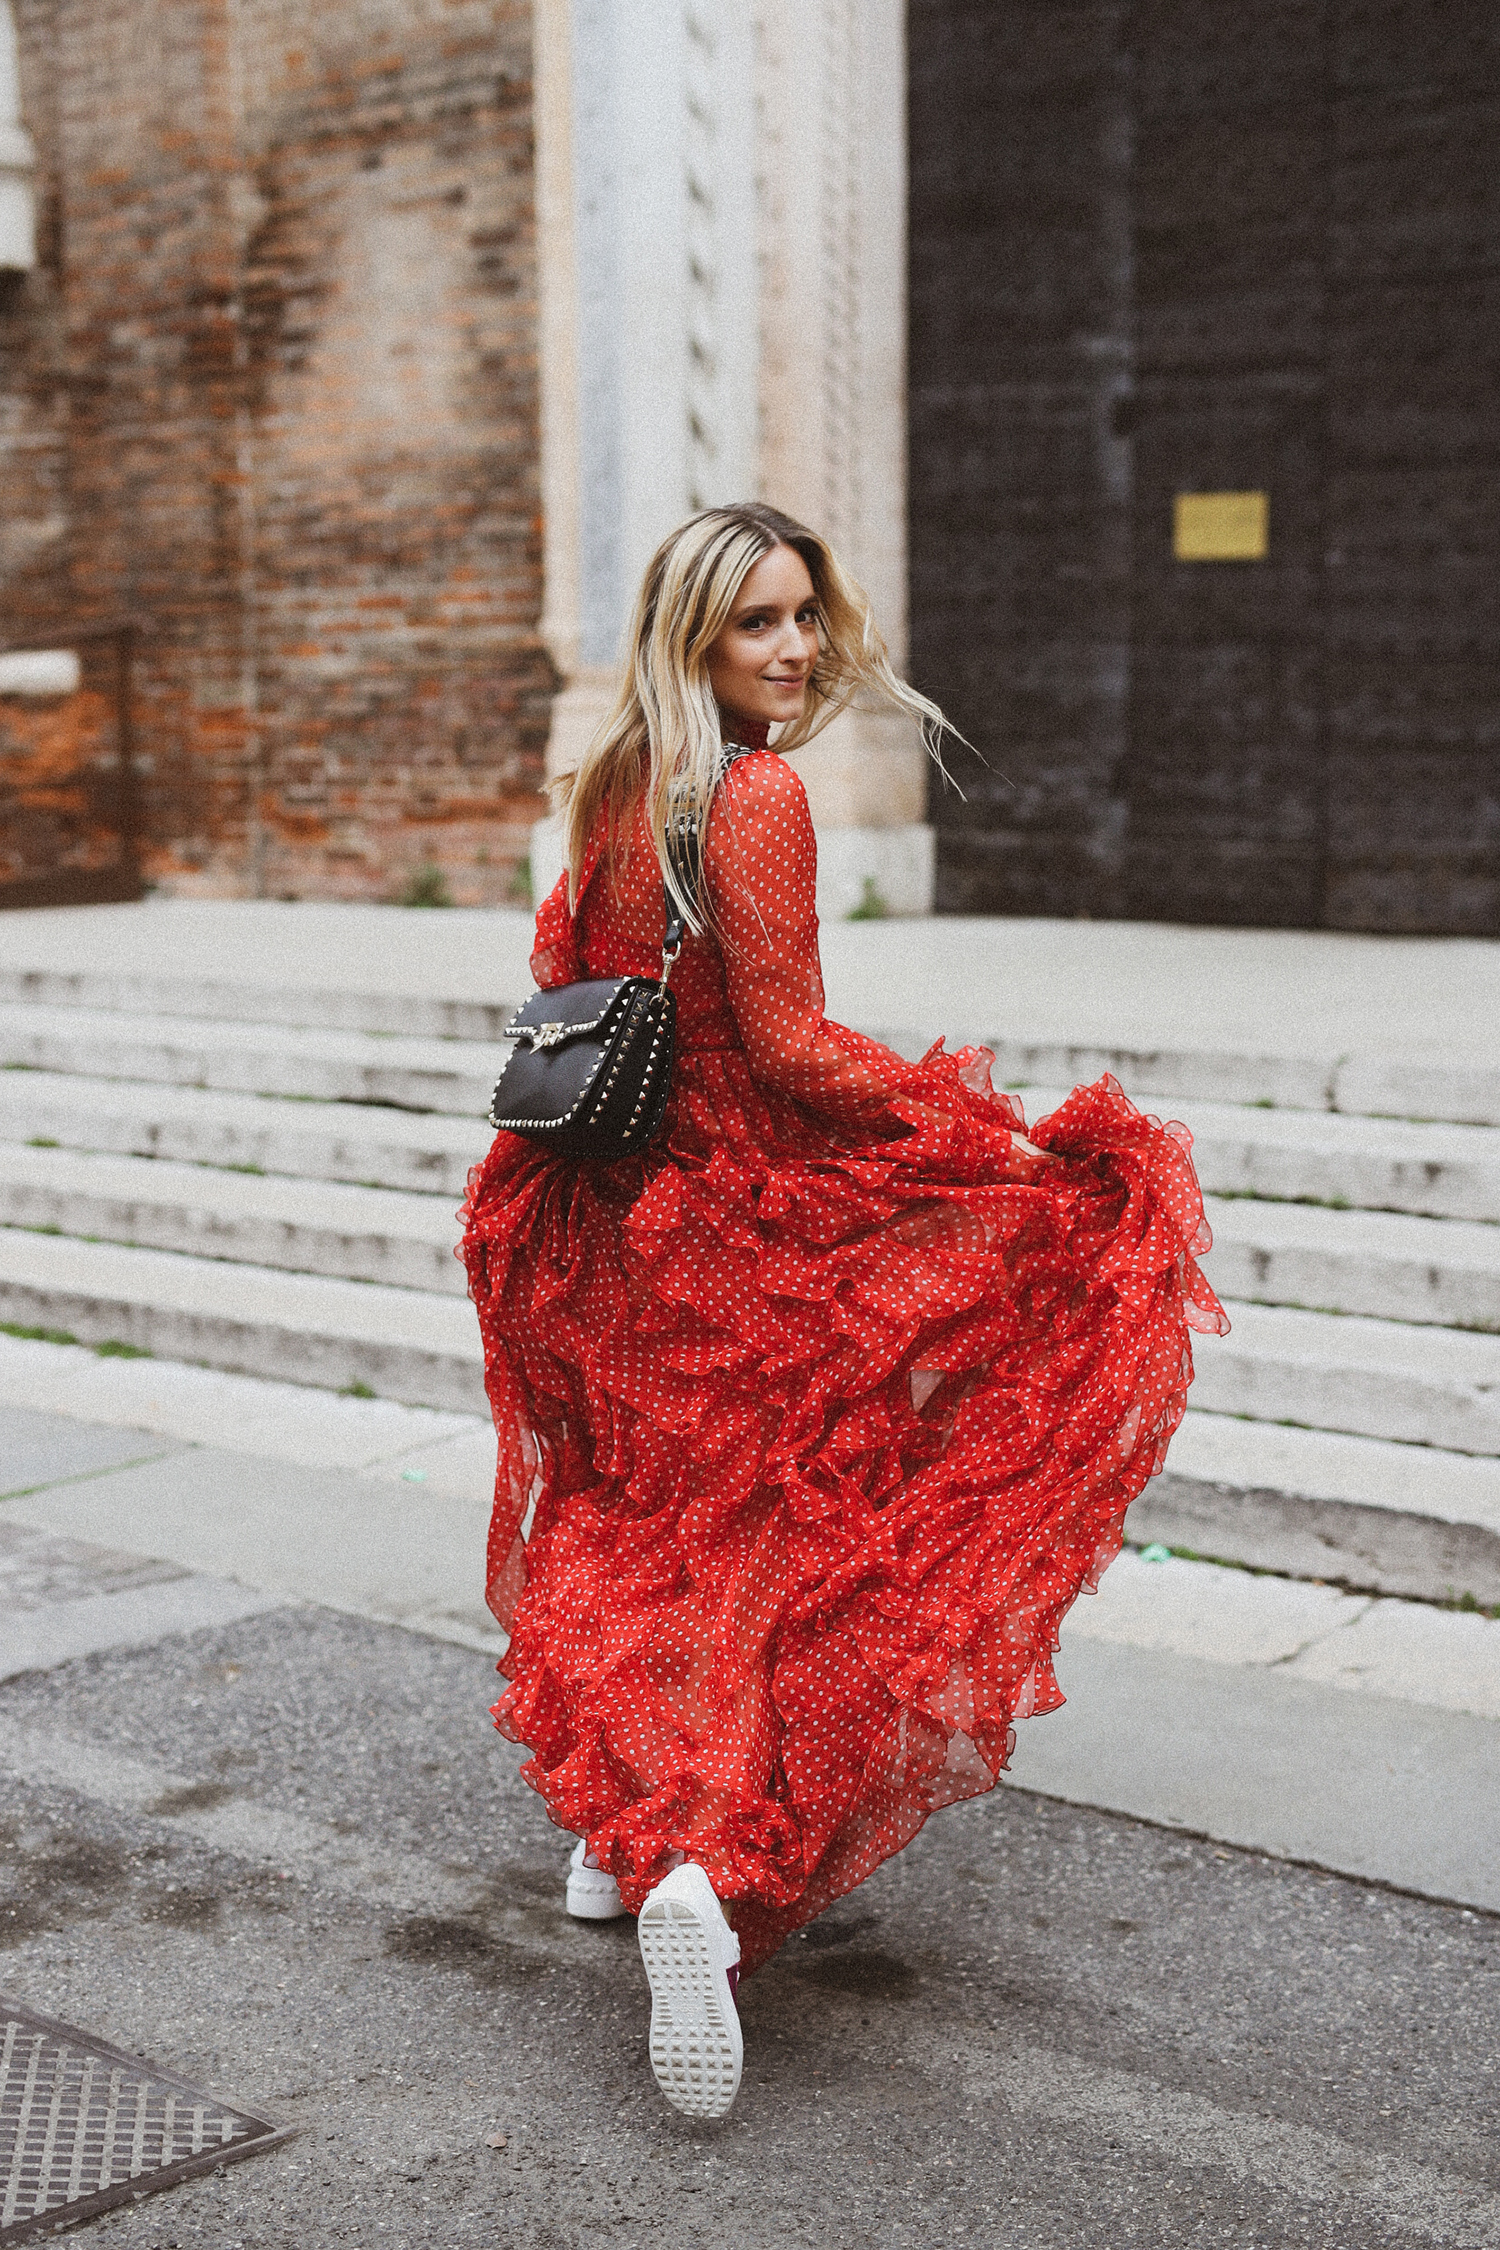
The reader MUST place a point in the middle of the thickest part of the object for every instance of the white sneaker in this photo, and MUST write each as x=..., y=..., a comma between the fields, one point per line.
x=593, y=1895
x=689, y=1950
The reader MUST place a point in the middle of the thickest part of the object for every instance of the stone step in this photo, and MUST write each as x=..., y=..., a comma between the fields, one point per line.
x=1371, y=1378
x=1429, y=1086
x=1435, y=1171
x=409, y=1015
x=408, y=1344
x=456, y=1077
x=1439, y=1272
x=361, y=1142
x=1372, y=1516
x=1360, y=1512
x=305, y=1226
x=1350, y=1085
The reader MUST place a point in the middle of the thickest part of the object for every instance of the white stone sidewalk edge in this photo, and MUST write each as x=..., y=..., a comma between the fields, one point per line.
x=401, y=1536
x=136, y=1617
x=1362, y=1785
x=402, y=1553
x=1290, y=1718
x=289, y=1422
x=456, y=1452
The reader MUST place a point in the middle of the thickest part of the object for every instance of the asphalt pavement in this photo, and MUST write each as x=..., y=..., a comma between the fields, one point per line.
x=287, y=1855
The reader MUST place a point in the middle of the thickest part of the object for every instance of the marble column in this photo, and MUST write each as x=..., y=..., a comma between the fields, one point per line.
x=721, y=203
x=17, y=194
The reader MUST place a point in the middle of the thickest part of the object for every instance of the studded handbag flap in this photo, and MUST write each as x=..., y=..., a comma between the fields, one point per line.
x=592, y=1067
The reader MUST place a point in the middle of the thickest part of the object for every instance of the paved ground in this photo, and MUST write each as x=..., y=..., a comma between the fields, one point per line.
x=321, y=1885
x=1187, y=1680
x=1283, y=992
x=287, y=1854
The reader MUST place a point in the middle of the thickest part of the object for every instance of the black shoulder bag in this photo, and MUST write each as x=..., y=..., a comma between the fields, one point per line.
x=592, y=1065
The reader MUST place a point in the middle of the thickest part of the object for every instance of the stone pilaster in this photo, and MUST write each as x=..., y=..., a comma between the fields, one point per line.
x=17, y=162
x=722, y=209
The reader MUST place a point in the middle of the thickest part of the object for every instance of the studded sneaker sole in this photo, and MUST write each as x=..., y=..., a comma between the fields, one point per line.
x=592, y=1894
x=689, y=1949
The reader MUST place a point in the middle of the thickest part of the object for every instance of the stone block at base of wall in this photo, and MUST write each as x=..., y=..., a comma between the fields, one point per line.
x=864, y=872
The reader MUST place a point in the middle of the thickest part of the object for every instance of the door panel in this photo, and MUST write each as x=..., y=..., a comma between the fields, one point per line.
x=1223, y=775
x=1176, y=248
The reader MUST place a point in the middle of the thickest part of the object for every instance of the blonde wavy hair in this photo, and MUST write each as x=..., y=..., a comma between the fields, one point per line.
x=663, y=734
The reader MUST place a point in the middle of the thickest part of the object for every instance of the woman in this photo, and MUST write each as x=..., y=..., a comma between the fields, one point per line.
x=831, y=1401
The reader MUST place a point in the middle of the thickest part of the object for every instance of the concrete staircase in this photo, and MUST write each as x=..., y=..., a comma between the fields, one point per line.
x=266, y=1181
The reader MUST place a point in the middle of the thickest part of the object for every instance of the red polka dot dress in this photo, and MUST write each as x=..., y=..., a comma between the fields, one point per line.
x=830, y=1403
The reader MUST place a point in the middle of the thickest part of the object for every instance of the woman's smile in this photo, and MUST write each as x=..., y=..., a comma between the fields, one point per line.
x=758, y=667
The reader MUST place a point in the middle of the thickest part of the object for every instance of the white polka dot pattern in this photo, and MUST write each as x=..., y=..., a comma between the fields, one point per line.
x=829, y=1404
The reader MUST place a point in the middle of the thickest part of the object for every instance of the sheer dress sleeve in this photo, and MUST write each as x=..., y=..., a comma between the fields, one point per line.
x=761, y=866
x=555, y=958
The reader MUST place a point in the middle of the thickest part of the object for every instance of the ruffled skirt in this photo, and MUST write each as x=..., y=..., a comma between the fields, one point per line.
x=823, y=1434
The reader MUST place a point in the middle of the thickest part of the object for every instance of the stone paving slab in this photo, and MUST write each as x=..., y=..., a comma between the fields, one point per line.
x=35, y=1447
x=134, y=1617
x=1297, y=992
x=1409, y=1652
x=1368, y=1785
x=404, y=1549
x=38, y=1571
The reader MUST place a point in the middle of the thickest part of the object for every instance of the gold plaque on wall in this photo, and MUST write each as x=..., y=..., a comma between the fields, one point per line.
x=1221, y=526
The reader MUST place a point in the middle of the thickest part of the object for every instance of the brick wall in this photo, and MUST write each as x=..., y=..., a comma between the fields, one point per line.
x=279, y=371
x=60, y=811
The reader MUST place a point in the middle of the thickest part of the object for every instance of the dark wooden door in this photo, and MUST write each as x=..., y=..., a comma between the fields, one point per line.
x=1412, y=589
x=1176, y=248
x=1224, y=767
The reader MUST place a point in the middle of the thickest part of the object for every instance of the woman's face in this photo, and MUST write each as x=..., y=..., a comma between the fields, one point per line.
x=759, y=665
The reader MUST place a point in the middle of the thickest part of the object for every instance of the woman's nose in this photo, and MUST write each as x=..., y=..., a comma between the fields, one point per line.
x=789, y=649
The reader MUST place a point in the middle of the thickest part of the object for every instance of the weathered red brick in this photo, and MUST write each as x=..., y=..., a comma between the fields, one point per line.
x=273, y=391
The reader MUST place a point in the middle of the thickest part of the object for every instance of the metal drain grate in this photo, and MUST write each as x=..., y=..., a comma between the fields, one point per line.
x=84, y=2126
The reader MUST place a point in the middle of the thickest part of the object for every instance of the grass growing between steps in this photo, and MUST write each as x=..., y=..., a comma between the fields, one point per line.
x=1465, y=1604
x=1315, y=1202
x=111, y=1348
